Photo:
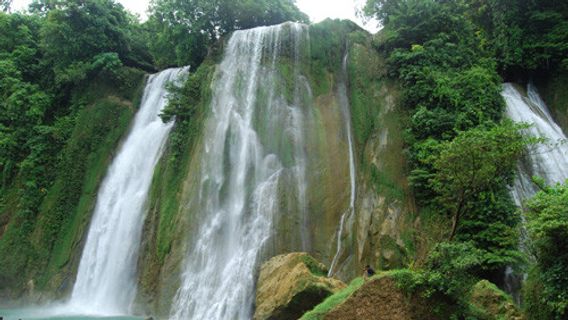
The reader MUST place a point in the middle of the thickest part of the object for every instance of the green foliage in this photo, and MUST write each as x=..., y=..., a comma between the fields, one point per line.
x=474, y=161
x=188, y=105
x=60, y=178
x=469, y=179
x=183, y=30
x=78, y=36
x=315, y=267
x=524, y=35
x=547, y=289
x=183, y=103
x=461, y=158
x=63, y=58
x=447, y=279
x=325, y=38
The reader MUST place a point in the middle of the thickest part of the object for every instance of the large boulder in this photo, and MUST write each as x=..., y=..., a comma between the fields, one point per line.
x=290, y=285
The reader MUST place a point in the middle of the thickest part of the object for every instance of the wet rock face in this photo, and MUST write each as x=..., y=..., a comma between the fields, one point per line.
x=290, y=285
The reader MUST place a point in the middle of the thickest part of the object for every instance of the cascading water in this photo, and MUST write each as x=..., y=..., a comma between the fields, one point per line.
x=344, y=101
x=254, y=151
x=106, y=279
x=548, y=161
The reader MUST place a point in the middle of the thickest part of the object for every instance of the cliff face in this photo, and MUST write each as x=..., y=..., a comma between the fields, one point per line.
x=377, y=232
x=553, y=89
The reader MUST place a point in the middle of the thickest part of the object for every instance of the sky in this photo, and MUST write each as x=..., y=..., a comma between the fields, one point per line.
x=317, y=10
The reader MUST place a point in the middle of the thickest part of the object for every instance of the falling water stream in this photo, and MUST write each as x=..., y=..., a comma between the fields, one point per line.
x=106, y=279
x=548, y=161
x=344, y=101
x=254, y=151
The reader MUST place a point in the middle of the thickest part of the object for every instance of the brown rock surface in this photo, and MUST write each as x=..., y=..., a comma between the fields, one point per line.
x=380, y=299
x=291, y=284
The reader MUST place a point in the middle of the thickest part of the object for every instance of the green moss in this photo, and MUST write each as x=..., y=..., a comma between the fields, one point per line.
x=364, y=86
x=173, y=170
x=331, y=302
x=385, y=184
x=99, y=129
x=43, y=236
x=314, y=266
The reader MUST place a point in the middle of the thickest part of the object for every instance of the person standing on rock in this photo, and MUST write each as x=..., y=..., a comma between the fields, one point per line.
x=368, y=272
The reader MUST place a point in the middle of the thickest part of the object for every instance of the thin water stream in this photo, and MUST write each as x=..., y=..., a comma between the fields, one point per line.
x=344, y=101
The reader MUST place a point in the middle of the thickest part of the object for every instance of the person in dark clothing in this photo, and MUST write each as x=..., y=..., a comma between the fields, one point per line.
x=368, y=272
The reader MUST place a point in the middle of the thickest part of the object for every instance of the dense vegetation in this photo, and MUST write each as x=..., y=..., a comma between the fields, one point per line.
x=55, y=74
x=547, y=286
x=185, y=29
x=452, y=91
x=451, y=57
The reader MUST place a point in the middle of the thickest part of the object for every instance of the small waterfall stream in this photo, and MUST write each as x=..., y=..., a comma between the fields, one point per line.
x=254, y=151
x=548, y=161
x=106, y=279
x=344, y=101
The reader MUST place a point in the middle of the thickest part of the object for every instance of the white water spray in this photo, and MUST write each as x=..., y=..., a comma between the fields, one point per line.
x=548, y=161
x=106, y=279
x=254, y=151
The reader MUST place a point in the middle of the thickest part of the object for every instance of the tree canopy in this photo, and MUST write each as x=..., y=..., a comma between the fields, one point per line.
x=183, y=30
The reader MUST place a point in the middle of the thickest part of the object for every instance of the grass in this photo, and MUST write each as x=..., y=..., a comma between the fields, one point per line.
x=332, y=301
x=314, y=266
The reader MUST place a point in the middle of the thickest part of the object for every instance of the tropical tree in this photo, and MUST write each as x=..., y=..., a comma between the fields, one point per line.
x=184, y=29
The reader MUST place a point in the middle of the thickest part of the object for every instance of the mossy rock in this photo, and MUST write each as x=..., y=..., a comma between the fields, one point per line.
x=493, y=303
x=291, y=284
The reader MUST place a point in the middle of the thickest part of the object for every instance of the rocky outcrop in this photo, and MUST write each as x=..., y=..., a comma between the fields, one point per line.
x=380, y=299
x=291, y=284
x=494, y=303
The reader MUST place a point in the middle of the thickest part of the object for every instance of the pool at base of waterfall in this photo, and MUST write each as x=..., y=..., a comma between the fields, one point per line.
x=50, y=314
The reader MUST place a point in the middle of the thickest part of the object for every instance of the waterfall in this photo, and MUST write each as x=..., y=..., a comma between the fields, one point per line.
x=254, y=152
x=106, y=279
x=548, y=161
x=344, y=101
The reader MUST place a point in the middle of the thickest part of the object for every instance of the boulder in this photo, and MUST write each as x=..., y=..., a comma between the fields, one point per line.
x=290, y=285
